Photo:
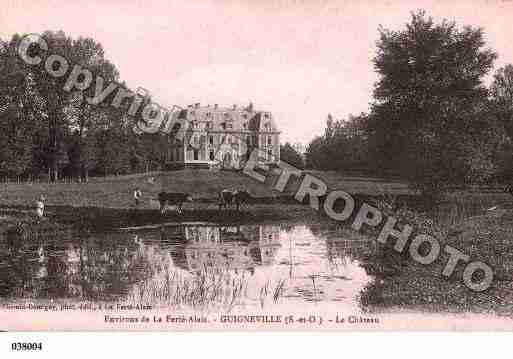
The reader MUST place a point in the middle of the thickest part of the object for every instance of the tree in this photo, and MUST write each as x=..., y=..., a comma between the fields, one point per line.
x=501, y=93
x=430, y=107
x=66, y=109
x=20, y=113
x=344, y=146
x=289, y=155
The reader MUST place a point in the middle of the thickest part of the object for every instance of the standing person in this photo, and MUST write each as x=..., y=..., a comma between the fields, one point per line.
x=40, y=206
x=137, y=197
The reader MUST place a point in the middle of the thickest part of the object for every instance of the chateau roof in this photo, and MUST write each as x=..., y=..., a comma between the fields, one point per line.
x=230, y=118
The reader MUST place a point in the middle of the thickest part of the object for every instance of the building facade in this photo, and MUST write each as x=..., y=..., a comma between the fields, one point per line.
x=220, y=137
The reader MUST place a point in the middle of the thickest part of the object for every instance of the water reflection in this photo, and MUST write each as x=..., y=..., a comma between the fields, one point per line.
x=190, y=265
x=237, y=248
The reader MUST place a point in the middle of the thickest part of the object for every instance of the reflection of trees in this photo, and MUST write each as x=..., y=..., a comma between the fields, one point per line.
x=59, y=265
x=67, y=265
x=343, y=243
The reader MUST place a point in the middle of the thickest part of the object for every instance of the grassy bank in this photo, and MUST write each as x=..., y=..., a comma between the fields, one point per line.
x=203, y=185
x=464, y=222
x=106, y=203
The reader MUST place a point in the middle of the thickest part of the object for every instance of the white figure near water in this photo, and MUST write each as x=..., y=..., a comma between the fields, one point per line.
x=40, y=206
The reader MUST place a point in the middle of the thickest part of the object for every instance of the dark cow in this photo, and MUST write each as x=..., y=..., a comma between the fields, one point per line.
x=170, y=198
x=237, y=198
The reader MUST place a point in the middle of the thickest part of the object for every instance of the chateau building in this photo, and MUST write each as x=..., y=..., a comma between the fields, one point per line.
x=220, y=137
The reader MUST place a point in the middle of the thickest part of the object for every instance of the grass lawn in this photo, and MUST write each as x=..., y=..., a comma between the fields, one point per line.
x=116, y=192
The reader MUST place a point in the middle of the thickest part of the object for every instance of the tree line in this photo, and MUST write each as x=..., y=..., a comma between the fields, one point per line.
x=52, y=132
x=432, y=119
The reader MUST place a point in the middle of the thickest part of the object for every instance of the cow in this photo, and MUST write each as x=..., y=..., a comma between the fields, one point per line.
x=238, y=198
x=170, y=198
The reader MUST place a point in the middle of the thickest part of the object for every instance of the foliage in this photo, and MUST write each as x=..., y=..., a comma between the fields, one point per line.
x=344, y=146
x=289, y=155
x=430, y=119
x=46, y=128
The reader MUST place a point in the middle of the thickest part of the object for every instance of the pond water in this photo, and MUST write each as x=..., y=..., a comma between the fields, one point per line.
x=192, y=265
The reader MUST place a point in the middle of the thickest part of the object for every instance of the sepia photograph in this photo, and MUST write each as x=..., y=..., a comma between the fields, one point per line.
x=274, y=165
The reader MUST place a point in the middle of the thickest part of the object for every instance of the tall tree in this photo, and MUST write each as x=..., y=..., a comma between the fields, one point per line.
x=501, y=95
x=20, y=113
x=430, y=106
x=501, y=91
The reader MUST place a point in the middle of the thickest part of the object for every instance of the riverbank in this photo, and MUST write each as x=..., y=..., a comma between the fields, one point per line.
x=107, y=203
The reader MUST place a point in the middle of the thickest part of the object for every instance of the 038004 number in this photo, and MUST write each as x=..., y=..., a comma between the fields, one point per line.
x=26, y=346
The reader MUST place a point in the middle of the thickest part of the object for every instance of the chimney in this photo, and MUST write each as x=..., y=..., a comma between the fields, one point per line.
x=234, y=107
x=216, y=106
x=197, y=105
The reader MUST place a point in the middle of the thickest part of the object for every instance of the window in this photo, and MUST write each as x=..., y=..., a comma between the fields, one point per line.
x=211, y=139
x=229, y=125
x=269, y=140
x=211, y=155
x=269, y=155
x=196, y=140
x=196, y=155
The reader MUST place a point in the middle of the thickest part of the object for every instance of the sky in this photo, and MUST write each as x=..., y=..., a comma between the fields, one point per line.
x=298, y=59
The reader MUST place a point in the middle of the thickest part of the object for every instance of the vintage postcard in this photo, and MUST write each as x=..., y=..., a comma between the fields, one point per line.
x=256, y=165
